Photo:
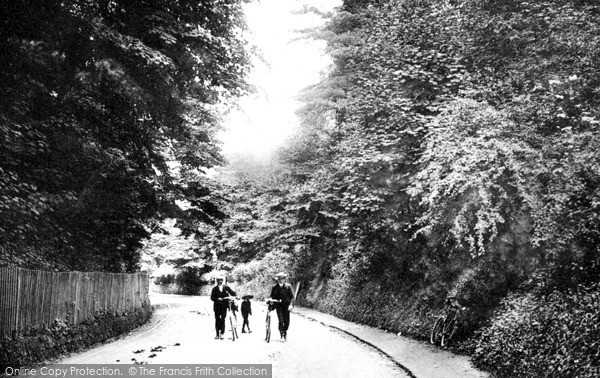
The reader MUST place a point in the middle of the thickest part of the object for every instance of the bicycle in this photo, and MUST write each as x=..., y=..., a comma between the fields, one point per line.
x=234, y=334
x=270, y=308
x=445, y=326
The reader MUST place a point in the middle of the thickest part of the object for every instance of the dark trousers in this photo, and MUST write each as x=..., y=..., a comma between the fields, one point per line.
x=283, y=314
x=246, y=322
x=220, y=316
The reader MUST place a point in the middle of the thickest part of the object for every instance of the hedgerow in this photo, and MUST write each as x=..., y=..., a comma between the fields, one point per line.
x=544, y=335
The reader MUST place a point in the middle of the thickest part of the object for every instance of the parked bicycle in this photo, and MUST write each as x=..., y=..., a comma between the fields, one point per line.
x=270, y=307
x=446, y=326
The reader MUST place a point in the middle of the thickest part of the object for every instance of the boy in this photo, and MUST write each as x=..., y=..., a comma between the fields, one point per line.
x=246, y=310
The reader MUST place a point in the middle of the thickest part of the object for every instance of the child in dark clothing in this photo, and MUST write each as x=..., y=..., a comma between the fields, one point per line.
x=246, y=310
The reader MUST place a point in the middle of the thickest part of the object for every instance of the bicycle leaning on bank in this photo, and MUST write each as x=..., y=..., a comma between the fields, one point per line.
x=270, y=307
x=446, y=325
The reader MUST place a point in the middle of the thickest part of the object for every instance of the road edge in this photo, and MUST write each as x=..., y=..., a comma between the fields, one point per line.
x=391, y=358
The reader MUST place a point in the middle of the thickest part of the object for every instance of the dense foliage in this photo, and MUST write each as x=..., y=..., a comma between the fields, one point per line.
x=550, y=335
x=108, y=114
x=60, y=337
x=451, y=150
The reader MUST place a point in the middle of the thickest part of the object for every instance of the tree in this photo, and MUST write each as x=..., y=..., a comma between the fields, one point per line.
x=109, y=111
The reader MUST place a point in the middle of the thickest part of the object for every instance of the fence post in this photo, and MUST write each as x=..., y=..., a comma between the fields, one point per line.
x=18, y=302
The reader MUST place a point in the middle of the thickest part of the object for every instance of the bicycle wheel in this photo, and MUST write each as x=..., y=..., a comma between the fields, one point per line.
x=233, y=333
x=436, y=331
x=449, y=330
x=268, y=327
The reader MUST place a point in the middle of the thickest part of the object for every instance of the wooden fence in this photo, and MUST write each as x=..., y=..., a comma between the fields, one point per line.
x=31, y=299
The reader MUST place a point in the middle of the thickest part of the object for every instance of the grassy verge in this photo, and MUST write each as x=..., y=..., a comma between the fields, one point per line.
x=62, y=338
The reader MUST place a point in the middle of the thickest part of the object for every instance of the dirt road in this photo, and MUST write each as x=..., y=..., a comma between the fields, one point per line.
x=182, y=331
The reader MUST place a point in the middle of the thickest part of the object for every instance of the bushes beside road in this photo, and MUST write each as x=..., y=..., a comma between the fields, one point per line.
x=509, y=329
x=555, y=334
x=62, y=338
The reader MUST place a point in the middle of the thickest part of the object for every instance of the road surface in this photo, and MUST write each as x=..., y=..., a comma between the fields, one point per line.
x=182, y=331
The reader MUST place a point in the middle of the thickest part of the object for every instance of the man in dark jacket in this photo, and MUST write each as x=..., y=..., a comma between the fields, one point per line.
x=220, y=305
x=283, y=292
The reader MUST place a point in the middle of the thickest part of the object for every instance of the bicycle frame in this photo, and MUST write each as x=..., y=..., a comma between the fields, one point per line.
x=450, y=325
x=270, y=308
x=451, y=314
x=230, y=315
x=445, y=326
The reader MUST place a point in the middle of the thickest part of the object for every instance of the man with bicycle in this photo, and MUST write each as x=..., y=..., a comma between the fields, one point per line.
x=283, y=294
x=220, y=305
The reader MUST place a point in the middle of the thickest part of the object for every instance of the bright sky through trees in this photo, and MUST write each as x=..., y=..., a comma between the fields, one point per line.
x=290, y=63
